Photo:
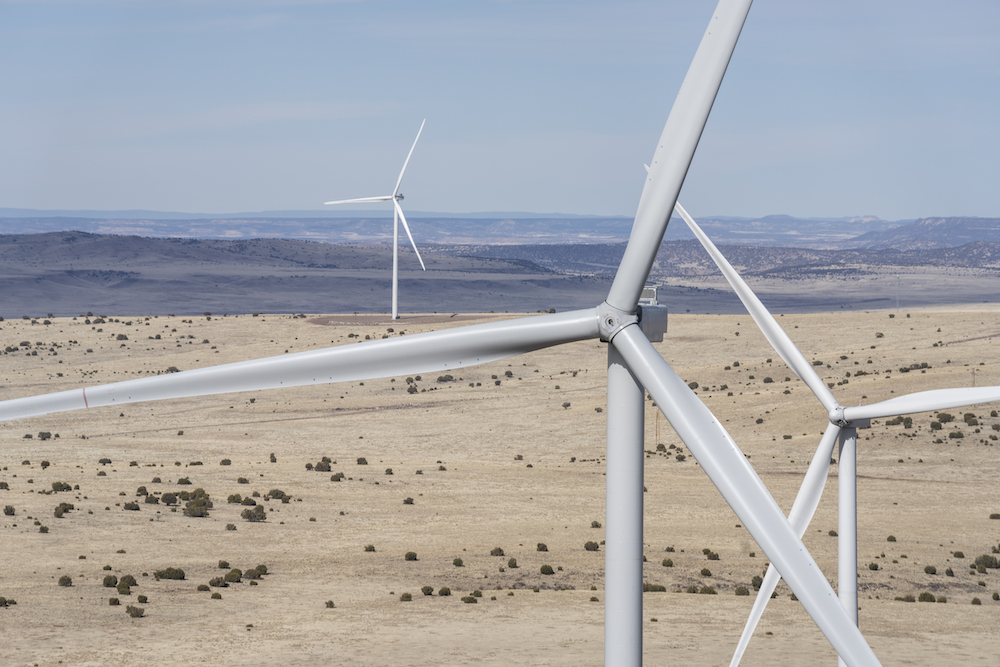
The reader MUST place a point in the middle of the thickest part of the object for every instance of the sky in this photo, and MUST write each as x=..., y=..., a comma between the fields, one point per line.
x=828, y=109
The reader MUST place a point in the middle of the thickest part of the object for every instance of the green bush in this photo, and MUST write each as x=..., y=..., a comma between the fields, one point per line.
x=242, y=480
x=444, y=592
x=930, y=569
x=891, y=538
x=234, y=499
x=8, y=510
x=427, y=590
x=142, y=599
x=708, y=590
x=362, y=461
x=742, y=590
x=370, y=548
x=128, y=580
x=512, y=563
x=987, y=561
x=756, y=582
x=873, y=566
x=591, y=546
x=203, y=588
x=169, y=573
x=653, y=588
x=110, y=581
x=216, y=595
x=217, y=582
x=691, y=589
x=668, y=562
x=976, y=601
x=114, y=602
x=497, y=551
x=123, y=588
x=169, y=499
x=254, y=515
x=541, y=547
x=406, y=597
x=184, y=481
x=468, y=599
x=233, y=576
x=329, y=604
x=133, y=507
x=457, y=562
x=65, y=580
x=547, y=569
x=410, y=555
x=705, y=572
x=152, y=500
x=926, y=597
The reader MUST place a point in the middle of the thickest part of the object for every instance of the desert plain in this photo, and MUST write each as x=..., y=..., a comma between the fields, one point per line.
x=507, y=456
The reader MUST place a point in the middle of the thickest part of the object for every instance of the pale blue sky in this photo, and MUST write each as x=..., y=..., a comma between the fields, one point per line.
x=829, y=108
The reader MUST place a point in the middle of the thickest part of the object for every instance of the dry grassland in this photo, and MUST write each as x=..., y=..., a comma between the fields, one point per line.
x=486, y=466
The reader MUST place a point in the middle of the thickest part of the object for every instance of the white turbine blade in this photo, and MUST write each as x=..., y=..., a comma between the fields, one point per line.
x=924, y=401
x=801, y=514
x=739, y=484
x=402, y=219
x=675, y=150
x=400, y=179
x=362, y=200
x=447, y=349
x=775, y=335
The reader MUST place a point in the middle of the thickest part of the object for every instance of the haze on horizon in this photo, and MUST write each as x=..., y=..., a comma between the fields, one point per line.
x=827, y=110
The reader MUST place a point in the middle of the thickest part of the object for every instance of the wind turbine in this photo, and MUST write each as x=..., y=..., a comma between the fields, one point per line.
x=634, y=367
x=843, y=426
x=397, y=216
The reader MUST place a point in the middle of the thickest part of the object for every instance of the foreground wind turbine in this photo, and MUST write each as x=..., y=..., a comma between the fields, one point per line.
x=397, y=215
x=634, y=367
x=843, y=426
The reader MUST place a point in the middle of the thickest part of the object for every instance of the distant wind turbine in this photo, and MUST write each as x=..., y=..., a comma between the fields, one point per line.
x=397, y=216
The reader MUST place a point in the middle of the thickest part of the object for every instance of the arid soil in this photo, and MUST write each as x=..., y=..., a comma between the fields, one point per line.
x=489, y=460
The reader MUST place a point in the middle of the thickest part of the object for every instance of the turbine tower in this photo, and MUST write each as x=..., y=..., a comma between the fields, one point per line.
x=397, y=216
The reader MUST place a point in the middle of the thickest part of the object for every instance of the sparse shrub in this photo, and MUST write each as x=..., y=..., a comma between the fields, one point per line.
x=43, y=529
x=976, y=601
x=756, y=582
x=873, y=566
x=468, y=599
x=242, y=480
x=444, y=592
x=248, y=501
x=541, y=547
x=225, y=462
x=653, y=588
x=457, y=562
x=230, y=526
x=217, y=582
x=497, y=551
x=987, y=561
x=742, y=590
x=930, y=569
x=184, y=481
x=891, y=538
x=336, y=477
x=705, y=572
x=362, y=461
x=406, y=597
x=233, y=576
x=410, y=555
x=133, y=506
x=668, y=562
x=169, y=573
x=591, y=546
x=8, y=510
x=142, y=599
x=949, y=572
x=169, y=499
x=234, y=499
x=597, y=524
x=547, y=569
x=942, y=599
x=329, y=604
x=216, y=595
x=708, y=590
x=110, y=581
x=926, y=597
x=691, y=589
x=65, y=580
x=114, y=602
x=254, y=515
x=427, y=590
x=123, y=588
x=203, y=588
x=322, y=466
x=512, y=563
x=407, y=501
x=370, y=548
